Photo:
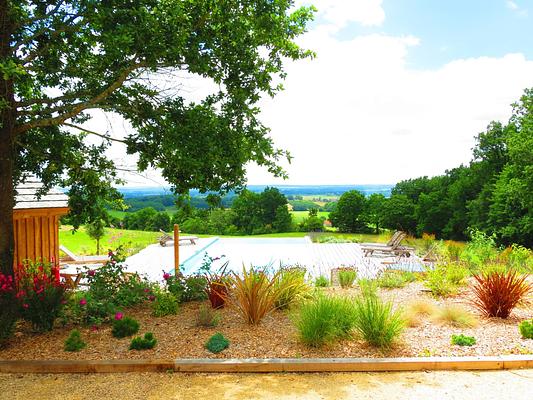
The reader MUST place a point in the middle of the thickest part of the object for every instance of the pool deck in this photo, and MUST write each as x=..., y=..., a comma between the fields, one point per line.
x=319, y=258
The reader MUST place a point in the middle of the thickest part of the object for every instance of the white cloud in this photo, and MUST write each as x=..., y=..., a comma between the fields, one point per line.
x=511, y=5
x=339, y=13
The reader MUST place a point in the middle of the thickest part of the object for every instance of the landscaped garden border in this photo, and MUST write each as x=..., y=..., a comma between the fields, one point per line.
x=254, y=365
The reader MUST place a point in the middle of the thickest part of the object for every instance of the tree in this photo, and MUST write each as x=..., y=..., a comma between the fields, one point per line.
x=270, y=201
x=348, y=216
x=374, y=204
x=61, y=59
x=96, y=231
x=282, y=220
x=399, y=213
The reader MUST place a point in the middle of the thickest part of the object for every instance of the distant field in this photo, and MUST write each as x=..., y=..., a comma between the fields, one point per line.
x=299, y=216
x=121, y=214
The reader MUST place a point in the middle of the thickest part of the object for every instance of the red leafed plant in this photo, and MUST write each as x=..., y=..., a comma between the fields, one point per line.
x=497, y=293
x=217, y=287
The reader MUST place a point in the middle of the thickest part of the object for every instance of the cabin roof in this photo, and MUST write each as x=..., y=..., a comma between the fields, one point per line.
x=27, y=196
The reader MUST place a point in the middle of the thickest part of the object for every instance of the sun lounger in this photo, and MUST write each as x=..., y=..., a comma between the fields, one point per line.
x=395, y=240
x=72, y=258
x=166, y=239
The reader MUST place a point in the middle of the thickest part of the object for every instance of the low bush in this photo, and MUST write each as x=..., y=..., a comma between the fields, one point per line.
x=207, y=317
x=74, y=342
x=254, y=294
x=40, y=294
x=325, y=319
x=347, y=277
x=186, y=288
x=8, y=308
x=322, y=281
x=376, y=320
x=217, y=343
x=456, y=315
x=165, y=303
x=497, y=293
x=438, y=283
x=462, y=340
x=143, y=343
x=290, y=287
x=456, y=273
x=526, y=329
x=124, y=326
x=82, y=308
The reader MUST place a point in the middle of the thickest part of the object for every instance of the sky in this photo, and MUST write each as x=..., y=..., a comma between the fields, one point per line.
x=399, y=89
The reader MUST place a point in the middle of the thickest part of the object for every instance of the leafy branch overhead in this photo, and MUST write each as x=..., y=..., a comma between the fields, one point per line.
x=67, y=58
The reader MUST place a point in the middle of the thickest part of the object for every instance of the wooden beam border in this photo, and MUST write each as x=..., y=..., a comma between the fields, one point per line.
x=270, y=365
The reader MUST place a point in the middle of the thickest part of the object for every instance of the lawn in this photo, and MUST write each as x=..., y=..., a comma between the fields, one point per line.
x=80, y=243
x=299, y=216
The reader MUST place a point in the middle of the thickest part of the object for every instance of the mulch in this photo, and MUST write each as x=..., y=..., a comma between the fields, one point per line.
x=275, y=337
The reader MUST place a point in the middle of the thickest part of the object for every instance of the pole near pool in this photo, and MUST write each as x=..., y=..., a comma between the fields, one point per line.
x=176, y=249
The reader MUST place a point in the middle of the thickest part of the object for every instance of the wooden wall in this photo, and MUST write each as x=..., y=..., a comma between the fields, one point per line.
x=36, y=234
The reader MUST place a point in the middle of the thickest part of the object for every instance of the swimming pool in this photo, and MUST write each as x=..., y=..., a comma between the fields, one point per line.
x=257, y=252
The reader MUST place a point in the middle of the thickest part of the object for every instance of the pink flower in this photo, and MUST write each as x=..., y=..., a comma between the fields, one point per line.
x=91, y=272
x=118, y=316
x=151, y=298
x=83, y=302
x=26, y=306
x=146, y=290
x=166, y=276
x=110, y=254
x=94, y=328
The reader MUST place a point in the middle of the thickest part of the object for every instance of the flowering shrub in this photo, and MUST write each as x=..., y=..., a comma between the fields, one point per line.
x=8, y=309
x=186, y=288
x=124, y=326
x=40, y=294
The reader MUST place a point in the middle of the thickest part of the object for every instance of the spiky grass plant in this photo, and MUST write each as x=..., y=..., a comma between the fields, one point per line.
x=497, y=293
x=457, y=316
x=207, y=317
x=254, y=294
x=325, y=319
x=378, y=323
x=347, y=277
x=291, y=288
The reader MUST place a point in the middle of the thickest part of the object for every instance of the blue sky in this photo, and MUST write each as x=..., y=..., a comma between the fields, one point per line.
x=454, y=29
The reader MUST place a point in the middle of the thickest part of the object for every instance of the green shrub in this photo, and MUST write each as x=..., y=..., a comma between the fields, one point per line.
x=82, y=308
x=325, y=319
x=526, y=329
x=186, y=288
x=217, y=343
x=207, y=317
x=74, y=342
x=165, y=303
x=462, y=340
x=376, y=320
x=321, y=281
x=456, y=274
x=347, y=277
x=455, y=315
x=125, y=326
x=143, y=343
x=437, y=281
x=291, y=288
x=391, y=280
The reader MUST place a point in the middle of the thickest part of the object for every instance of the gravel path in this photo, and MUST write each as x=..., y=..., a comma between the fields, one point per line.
x=376, y=386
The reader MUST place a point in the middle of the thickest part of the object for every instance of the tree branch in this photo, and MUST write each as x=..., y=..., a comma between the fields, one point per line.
x=94, y=133
x=82, y=106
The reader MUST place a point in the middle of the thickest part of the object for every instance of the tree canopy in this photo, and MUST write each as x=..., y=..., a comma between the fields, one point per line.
x=60, y=59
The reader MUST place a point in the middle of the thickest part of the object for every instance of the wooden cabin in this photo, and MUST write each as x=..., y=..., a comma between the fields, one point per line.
x=36, y=222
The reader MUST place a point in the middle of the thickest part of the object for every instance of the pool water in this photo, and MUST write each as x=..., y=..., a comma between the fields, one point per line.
x=255, y=252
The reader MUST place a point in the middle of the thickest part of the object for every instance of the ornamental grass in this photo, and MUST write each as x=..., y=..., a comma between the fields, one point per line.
x=497, y=293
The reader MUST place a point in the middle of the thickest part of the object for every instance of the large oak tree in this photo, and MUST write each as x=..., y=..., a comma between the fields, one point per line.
x=60, y=59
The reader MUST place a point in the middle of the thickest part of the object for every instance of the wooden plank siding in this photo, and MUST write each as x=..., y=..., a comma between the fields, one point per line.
x=36, y=233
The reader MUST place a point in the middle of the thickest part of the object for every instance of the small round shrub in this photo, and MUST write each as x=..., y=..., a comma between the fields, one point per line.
x=347, y=277
x=217, y=343
x=526, y=329
x=462, y=340
x=321, y=281
x=207, y=317
x=125, y=326
x=74, y=342
x=143, y=343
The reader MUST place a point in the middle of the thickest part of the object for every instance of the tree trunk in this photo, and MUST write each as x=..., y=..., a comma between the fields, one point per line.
x=97, y=247
x=7, y=127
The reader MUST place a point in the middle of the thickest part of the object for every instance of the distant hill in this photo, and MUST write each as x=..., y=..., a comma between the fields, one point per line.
x=303, y=190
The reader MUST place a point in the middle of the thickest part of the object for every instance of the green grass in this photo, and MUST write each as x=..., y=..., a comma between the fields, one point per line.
x=299, y=216
x=80, y=243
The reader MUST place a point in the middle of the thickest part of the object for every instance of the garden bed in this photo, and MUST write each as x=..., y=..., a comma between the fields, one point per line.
x=275, y=337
